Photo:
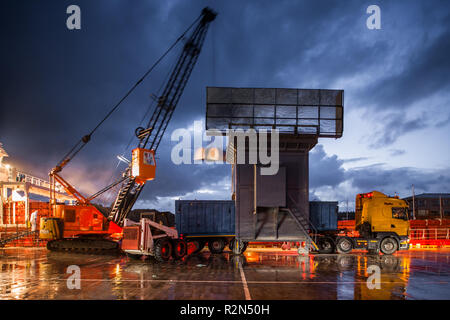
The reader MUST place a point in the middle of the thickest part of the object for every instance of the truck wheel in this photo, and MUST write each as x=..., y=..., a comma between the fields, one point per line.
x=134, y=256
x=163, y=250
x=216, y=245
x=199, y=245
x=238, y=246
x=326, y=245
x=344, y=245
x=179, y=248
x=388, y=246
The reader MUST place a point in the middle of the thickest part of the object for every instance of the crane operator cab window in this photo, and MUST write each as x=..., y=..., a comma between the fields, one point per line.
x=400, y=213
x=143, y=165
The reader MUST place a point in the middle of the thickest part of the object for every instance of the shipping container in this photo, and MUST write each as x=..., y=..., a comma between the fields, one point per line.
x=323, y=215
x=204, y=217
x=210, y=222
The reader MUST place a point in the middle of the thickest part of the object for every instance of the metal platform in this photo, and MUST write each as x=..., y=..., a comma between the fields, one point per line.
x=317, y=112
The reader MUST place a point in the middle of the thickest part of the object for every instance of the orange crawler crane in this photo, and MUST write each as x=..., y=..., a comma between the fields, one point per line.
x=87, y=227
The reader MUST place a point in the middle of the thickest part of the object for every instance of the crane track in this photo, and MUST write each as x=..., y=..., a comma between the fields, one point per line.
x=88, y=246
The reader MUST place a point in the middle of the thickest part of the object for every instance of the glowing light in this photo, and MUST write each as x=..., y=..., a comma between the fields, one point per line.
x=123, y=159
x=199, y=154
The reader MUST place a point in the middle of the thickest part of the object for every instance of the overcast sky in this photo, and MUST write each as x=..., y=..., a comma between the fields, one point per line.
x=56, y=84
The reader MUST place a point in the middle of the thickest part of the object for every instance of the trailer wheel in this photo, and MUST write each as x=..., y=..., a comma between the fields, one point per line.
x=216, y=245
x=388, y=245
x=179, y=248
x=163, y=249
x=344, y=245
x=326, y=245
x=134, y=256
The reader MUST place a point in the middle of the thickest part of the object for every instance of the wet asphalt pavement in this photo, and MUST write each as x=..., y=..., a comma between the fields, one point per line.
x=35, y=273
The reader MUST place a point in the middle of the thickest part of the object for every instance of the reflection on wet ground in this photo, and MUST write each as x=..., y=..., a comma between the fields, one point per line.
x=35, y=273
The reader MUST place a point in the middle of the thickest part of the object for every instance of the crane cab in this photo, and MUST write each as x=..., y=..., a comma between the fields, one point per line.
x=143, y=165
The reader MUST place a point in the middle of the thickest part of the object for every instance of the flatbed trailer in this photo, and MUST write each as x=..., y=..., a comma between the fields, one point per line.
x=386, y=243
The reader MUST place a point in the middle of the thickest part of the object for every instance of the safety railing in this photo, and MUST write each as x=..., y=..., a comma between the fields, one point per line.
x=430, y=234
x=24, y=177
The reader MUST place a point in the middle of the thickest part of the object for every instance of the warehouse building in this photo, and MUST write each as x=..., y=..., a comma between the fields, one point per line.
x=429, y=206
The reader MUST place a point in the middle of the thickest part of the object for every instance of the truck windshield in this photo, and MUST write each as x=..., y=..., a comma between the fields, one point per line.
x=400, y=213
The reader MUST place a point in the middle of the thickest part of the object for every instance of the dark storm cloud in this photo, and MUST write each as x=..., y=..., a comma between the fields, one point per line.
x=399, y=179
x=416, y=71
x=425, y=74
x=57, y=84
x=395, y=125
x=325, y=170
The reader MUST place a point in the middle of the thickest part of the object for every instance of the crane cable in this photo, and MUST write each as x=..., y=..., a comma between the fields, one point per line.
x=85, y=139
x=149, y=108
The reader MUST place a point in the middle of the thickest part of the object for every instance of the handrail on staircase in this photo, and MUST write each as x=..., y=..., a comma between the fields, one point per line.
x=311, y=225
x=302, y=228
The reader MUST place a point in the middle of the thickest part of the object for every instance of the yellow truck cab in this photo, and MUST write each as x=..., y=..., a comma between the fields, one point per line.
x=382, y=224
x=375, y=212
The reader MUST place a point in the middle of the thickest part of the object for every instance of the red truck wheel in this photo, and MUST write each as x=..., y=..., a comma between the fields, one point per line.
x=179, y=248
x=163, y=250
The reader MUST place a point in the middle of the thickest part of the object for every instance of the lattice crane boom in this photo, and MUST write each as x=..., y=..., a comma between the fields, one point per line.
x=150, y=137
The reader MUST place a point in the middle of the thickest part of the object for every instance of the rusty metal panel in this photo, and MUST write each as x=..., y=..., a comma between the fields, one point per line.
x=271, y=189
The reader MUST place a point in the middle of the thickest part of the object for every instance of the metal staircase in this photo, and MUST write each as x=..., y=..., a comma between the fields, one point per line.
x=302, y=222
